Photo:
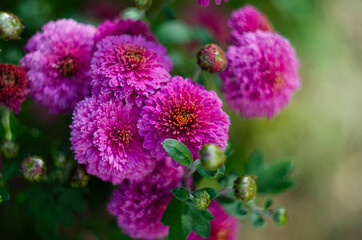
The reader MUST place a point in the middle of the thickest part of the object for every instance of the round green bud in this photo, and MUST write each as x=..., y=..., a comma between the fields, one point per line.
x=211, y=58
x=280, y=216
x=142, y=4
x=10, y=149
x=79, y=176
x=211, y=156
x=245, y=188
x=201, y=200
x=10, y=26
x=33, y=168
x=131, y=13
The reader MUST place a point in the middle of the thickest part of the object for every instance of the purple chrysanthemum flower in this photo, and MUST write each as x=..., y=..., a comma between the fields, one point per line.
x=130, y=68
x=247, y=19
x=139, y=205
x=121, y=27
x=58, y=64
x=223, y=227
x=206, y=3
x=261, y=76
x=105, y=138
x=185, y=111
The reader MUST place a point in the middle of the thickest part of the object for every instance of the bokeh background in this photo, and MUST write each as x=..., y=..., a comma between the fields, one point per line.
x=321, y=128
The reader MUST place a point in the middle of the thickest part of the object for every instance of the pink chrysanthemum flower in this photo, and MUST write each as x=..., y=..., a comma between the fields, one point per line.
x=139, y=205
x=130, y=68
x=261, y=76
x=247, y=19
x=121, y=27
x=58, y=64
x=223, y=227
x=206, y=3
x=13, y=86
x=185, y=111
x=105, y=138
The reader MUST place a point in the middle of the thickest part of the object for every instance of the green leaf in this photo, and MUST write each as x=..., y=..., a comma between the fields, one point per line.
x=200, y=220
x=256, y=219
x=268, y=204
x=254, y=163
x=174, y=32
x=228, y=180
x=212, y=192
x=178, y=151
x=4, y=195
x=202, y=35
x=233, y=207
x=181, y=193
x=210, y=173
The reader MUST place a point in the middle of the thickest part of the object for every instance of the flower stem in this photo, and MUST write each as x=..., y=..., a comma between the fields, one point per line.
x=254, y=208
x=6, y=123
x=196, y=74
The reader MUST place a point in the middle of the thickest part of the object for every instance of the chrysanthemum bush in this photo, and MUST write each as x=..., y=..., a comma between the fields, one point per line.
x=151, y=134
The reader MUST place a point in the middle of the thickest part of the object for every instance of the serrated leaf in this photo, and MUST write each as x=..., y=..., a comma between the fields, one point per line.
x=233, y=207
x=181, y=193
x=212, y=192
x=268, y=204
x=209, y=173
x=256, y=219
x=178, y=151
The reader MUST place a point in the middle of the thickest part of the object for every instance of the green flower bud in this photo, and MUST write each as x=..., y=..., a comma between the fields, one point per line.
x=142, y=4
x=79, y=176
x=211, y=58
x=280, y=216
x=10, y=26
x=131, y=13
x=245, y=188
x=212, y=157
x=201, y=200
x=10, y=149
x=33, y=168
x=60, y=160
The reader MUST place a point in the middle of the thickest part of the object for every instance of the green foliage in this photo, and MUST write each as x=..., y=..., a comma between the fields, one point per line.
x=233, y=206
x=4, y=195
x=272, y=178
x=178, y=151
x=212, y=192
x=210, y=173
x=256, y=219
x=181, y=193
x=174, y=32
x=51, y=205
x=182, y=218
x=268, y=204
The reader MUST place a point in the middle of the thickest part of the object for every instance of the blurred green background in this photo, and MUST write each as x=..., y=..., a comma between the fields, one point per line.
x=321, y=128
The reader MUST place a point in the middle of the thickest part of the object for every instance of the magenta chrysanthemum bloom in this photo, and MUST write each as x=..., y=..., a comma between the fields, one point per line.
x=223, y=226
x=105, y=138
x=185, y=111
x=121, y=27
x=206, y=3
x=247, y=19
x=130, y=68
x=139, y=205
x=13, y=86
x=261, y=76
x=58, y=64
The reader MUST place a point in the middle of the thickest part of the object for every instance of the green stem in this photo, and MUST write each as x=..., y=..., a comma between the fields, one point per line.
x=254, y=208
x=196, y=74
x=157, y=7
x=6, y=124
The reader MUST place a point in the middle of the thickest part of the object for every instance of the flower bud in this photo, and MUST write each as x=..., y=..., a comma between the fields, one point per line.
x=280, y=216
x=211, y=58
x=212, y=157
x=60, y=160
x=201, y=200
x=33, y=168
x=142, y=4
x=10, y=149
x=10, y=26
x=79, y=176
x=245, y=188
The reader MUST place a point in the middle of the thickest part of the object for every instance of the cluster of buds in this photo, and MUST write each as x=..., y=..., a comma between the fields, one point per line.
x=245, y=188
x=79, y=176
x=33, y=168
x=201, y=200
x=211, y=58
x=211, y=156
x=10, y=26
